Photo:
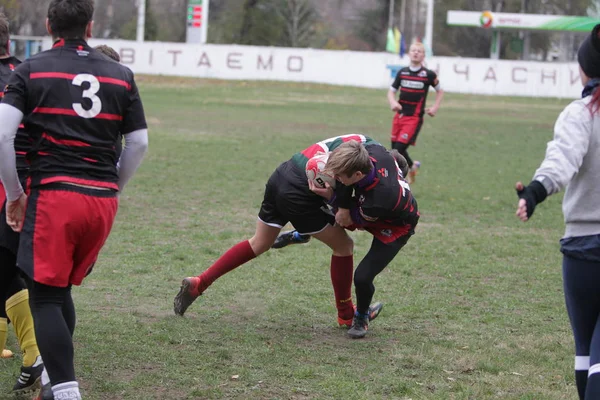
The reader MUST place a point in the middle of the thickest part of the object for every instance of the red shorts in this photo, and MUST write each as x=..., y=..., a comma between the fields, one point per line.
x=405, y=129
x=385, y=232
x=64, y=229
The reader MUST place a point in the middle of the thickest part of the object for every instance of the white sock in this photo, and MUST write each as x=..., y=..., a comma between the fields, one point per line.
x=66, y=391
x=45, y=377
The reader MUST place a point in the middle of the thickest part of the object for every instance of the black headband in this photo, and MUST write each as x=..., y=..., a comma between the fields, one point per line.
x=588, y=55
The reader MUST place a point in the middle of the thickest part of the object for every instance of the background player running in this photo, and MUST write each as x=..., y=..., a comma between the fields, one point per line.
x=413, y=82
x=375, y=197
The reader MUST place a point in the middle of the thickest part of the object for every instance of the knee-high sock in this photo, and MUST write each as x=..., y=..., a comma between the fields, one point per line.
x=239, y=254
x=341, y=279
x=17, y=309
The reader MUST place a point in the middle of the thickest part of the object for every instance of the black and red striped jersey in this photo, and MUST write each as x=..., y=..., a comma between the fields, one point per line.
x=383, y=196
x=22, y=141
x=414, y=87
x=76, y=104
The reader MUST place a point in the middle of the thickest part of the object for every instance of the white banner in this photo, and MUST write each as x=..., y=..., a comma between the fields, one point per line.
x=488, y=19
x=362, y=69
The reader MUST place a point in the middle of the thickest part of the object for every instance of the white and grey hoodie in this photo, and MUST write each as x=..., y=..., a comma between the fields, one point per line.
x=573, y=161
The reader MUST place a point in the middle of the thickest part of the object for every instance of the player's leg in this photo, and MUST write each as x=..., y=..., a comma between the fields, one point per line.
x=580, y=280
x=15, y=307
x=19, y=313
x=593, y=381
x=7, y=275
x=269, y=224
x=377, y=258
x=57, y=230
x=403, y=150
x=192, y=287
x=290, y=237
x=341, y=267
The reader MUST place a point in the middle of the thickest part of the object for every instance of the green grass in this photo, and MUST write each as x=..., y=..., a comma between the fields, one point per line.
x=473, y=304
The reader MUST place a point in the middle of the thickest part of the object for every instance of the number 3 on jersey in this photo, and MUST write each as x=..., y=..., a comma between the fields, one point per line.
x=89, y=93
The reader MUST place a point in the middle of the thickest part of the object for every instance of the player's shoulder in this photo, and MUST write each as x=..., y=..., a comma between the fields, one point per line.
x=373, y=147
x=429, y=72
x=577, y=110
x=8, y=64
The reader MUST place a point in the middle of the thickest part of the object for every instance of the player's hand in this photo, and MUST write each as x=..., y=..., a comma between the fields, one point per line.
x=326, y=192
x=522, y=205
x=343, y=217
x=396, y=107
x=15, y=213
x=431, y=111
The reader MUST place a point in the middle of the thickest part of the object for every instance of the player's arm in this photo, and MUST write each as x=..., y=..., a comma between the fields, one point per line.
x=12, y=109
x=11, y=118
x=362, y=216
x=391, y=94
x=136, y=145
x=136, y=138
x=344, y=201
x=564, y=156
x=439, y=95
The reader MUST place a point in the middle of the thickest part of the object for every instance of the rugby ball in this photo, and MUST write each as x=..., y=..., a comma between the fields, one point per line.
x=315, y=171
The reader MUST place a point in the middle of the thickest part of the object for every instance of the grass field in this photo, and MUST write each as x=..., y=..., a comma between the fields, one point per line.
x=473, y=304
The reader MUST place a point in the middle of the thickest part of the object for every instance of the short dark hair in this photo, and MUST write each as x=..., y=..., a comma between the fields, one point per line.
x=68, y=19
x=109, y=52
x=4, y=35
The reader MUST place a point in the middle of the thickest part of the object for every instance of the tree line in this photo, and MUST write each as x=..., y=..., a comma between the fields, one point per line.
x=328, y=24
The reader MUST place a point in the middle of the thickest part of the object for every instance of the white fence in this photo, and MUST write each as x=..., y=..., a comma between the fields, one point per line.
x=372, y=70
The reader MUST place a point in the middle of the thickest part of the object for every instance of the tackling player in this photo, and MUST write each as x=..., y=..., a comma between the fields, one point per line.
x=413, y=82
x=76, y=102
x=288, y=199
x=382, y=205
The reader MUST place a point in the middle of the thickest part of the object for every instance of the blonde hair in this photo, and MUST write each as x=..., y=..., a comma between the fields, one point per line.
x=418, y=45
x=348, y=158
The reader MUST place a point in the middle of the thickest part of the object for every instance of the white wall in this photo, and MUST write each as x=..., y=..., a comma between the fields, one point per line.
x=372, y=70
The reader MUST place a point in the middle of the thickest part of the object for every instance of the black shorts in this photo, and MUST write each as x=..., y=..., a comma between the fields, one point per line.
x=288, y=199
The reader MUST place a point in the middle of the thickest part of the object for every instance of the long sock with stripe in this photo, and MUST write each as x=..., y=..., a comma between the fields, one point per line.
x=592, y=389
x=341, y=278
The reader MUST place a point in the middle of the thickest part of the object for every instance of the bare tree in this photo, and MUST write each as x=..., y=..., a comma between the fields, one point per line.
x=299, y=17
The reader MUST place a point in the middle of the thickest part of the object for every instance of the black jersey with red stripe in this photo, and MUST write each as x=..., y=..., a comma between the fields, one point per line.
x=22, y=141
x=414, y=87
x=383, y=196
x=76, y=103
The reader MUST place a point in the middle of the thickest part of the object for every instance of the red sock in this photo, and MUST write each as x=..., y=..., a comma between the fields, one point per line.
x=341, y=278
x=234, y=257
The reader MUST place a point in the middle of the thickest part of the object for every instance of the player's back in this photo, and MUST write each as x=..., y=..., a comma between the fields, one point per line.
x=388, y=197
x=77, y=104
